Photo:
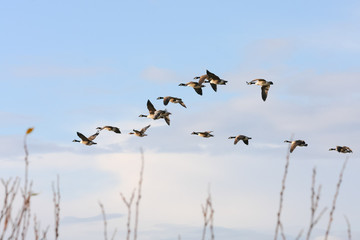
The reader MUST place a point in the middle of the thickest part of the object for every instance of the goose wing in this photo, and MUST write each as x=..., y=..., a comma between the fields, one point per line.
x=212, y=75
x=182, y=104
x=202, y=78
x=82, y=136
x=150, y=107
x=198, y=91
x=166, y=100
x=167, y=119
x=264, y=91
x=293, y=146
x=246, y=141
x=144, y=129
x=213, y=86
x=92, y=137
x=116, y=130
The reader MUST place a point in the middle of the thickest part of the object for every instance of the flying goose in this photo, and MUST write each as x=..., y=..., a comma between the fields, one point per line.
x=173, y=100
x=211, y=78
x=265, y=86
x=156, y=114
x=294, y=144
x=341, y=149
x=203, y=134
x=140, y=133
x=244, y=138
x=196, y=85
x=109, y=128
x=87, y=141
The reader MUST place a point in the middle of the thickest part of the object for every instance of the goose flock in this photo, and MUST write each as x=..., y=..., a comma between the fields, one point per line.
x=213, y=80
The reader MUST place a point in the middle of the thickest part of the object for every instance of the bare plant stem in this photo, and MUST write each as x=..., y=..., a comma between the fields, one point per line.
x=331, y=216
x=56, y=200
x=128, y=205
x=208, y=215
x=348, y=227
x=278, y=223
x=299, y=235
x=139, y=195
x=104, y=219
x=315, y=197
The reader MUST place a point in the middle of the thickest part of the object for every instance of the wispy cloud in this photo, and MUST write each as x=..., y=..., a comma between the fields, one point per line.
x=45, y=70
x=72, y=219
x=159, y=75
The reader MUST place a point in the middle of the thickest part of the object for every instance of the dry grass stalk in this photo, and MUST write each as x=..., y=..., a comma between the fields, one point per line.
x=128, y=205
x=11, y=188
x=315, y=197
x=331, y=215
x=208, y=214
x=278, y=223
x=139, y=195
x=300, y=234
x=36, y=229
x=56, y=201
x=104, y=219
x=22, y=220
x=348, y=227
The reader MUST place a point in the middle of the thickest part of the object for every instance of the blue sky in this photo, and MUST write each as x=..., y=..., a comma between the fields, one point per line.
x=75, y=65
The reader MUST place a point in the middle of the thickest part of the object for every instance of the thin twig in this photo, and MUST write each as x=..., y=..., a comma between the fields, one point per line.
x=348, y=227
x=139, y=195
x=56, y=200
x=208, y=215
x=104, y=219
x=128, y=205
x=315, y=198
x=278, y=223
x=331, y=216
x=300, y=234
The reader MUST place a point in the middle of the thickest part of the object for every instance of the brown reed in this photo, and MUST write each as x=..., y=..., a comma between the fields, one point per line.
x=283, y=182
x=208, y=215
x=348, y=227
x=56, y=201
x=315, y=198
x=338, y=185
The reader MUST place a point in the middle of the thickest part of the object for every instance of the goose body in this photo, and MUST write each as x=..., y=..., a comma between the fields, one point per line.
x=87, y=141
x=109, y=128
x=206, y=134
x=197, y=86
x=168, y=99
x=294, y=144
x=265, y=86
x=341, y=149
x=156, y=114
x=140, y=133
x=244, y=138
x=211, y=78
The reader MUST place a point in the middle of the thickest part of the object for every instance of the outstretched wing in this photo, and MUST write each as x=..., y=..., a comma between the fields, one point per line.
x=213, y=86
x=212, y=76
x=182, y=104
x=246, y=141
x=202, y=79
x=293, y=146
x=150, y=107
x=92, y=137
x=167, y=120
x=82, y=136
x=116, y=130
x=198, y=91
x=144, y=128
x=166, y=100
x=264, y=92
